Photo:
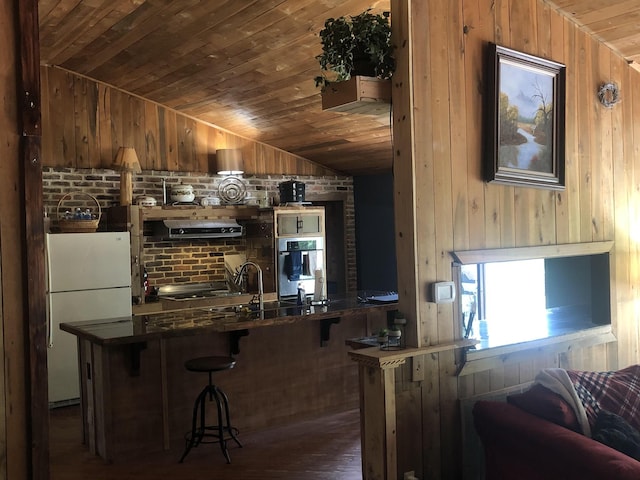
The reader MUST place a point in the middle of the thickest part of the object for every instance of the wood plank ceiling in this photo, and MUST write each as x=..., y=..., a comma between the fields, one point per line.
x=248, y=65
x=614, y=22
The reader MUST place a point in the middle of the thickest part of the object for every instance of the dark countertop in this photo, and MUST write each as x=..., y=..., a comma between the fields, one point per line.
x=193, y=321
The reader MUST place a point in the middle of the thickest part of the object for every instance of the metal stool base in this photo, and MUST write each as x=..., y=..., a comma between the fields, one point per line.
x=220, y=433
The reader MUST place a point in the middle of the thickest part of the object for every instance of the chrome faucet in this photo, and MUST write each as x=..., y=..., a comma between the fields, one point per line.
x=238, y=280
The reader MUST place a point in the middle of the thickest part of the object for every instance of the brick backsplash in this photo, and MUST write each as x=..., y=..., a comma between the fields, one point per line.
x=192, y=260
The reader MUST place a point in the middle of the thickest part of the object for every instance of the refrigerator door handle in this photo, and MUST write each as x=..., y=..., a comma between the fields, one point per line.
x=47, y=260
x=49, y=325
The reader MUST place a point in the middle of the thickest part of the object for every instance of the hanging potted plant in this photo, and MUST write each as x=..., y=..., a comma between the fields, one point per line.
x=359, y=45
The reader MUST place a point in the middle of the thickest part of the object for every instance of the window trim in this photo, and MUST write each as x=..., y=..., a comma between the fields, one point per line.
x=488, y=358
x=465, y=257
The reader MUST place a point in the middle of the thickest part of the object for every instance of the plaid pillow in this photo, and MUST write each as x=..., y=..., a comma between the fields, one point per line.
x=617, y=392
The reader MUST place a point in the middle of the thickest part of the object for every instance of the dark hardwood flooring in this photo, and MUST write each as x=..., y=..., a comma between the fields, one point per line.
x=327, y=448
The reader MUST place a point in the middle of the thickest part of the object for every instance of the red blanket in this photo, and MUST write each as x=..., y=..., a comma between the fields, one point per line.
x=617, y=392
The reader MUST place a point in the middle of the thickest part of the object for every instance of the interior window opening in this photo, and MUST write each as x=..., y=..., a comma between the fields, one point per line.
x=508, y=302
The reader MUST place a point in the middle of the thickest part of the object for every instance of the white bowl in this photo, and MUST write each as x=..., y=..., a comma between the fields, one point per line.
x=146, y=201
x=183, y=198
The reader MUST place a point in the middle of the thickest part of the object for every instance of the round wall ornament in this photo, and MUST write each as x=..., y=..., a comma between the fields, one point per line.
x=232, y=190
x=608, y=94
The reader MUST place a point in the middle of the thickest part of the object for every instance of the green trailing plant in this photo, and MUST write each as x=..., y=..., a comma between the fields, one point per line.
x=359, y=45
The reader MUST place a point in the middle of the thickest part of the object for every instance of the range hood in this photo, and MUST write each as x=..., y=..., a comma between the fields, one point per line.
x=176, y=229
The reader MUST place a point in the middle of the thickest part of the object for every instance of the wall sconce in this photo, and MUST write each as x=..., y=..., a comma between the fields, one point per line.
x=127, y=163
x=229, y=161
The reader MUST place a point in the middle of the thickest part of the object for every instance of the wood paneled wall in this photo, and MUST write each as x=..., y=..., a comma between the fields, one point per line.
x=438, y=130
x=84, y=123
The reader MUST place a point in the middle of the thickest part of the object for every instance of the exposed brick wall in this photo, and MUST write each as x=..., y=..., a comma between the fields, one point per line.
x=189, y=261
x=195, y=260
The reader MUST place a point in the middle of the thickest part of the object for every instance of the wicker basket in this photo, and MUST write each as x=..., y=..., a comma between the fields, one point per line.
x=78, y=225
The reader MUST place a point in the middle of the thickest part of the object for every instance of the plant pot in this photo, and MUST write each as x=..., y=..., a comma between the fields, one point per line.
x=359, y=94
x=364, y=67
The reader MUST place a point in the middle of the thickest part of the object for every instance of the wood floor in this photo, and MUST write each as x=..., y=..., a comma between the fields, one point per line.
x=327, y=448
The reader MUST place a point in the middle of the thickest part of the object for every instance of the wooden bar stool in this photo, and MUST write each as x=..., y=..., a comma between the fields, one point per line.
x=223, y=431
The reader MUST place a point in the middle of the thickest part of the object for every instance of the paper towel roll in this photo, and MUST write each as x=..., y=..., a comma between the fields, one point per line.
x=318, y=290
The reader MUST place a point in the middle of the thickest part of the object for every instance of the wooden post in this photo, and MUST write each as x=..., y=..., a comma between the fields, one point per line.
x=378, y=422
x=29, y=119
x=405, y=174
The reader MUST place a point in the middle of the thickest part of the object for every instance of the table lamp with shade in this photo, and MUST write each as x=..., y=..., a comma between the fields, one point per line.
x=229, y=161
x=127, y=163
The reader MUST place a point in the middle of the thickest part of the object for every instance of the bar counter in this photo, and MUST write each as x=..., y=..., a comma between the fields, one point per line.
x=292, y=364
x=198, y=320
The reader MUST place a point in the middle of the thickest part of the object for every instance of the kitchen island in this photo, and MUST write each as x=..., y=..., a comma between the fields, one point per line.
x=292, y=364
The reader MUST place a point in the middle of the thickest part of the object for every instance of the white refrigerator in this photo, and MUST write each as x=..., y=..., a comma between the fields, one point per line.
x=88, y=278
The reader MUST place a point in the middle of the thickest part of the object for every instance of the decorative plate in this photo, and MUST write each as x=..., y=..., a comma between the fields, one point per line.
x=232, y=190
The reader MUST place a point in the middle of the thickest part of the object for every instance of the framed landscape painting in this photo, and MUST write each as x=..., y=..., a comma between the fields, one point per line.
x=525, y=120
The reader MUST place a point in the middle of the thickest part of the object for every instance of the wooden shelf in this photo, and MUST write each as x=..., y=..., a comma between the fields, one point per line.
x=378, y=358
x=363, y=95
x=197, y=212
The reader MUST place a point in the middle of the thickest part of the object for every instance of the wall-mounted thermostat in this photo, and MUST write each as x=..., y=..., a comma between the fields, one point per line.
x=443, y=292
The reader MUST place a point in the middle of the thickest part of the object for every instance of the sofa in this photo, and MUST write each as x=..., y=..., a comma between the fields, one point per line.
x=538, y=435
